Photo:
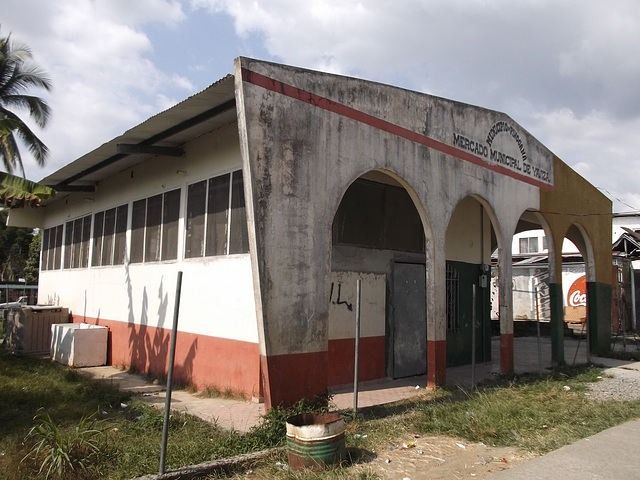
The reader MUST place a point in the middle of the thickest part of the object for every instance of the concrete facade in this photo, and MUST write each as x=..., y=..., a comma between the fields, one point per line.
x=263, y=321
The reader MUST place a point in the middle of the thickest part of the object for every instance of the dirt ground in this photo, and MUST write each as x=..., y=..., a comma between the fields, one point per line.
x=437, y=457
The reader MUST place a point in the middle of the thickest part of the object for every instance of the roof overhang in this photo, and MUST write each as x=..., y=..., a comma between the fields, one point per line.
x=162, y=134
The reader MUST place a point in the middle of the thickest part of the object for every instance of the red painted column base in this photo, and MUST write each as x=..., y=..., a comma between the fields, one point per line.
x=506, y=353
x=289, y=378
x=436, y=362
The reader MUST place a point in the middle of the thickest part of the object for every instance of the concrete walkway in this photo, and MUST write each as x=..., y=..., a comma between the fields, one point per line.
x=242, y=415
x=230, y=414
x=610, y=454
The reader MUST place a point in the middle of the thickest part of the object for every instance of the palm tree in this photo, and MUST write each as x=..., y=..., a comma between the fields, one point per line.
x=18, y=73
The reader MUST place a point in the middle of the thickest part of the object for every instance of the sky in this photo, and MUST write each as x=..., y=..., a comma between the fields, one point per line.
x=568, y=71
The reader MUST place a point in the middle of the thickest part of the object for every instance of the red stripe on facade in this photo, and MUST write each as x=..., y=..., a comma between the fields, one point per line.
x=359, y=116
x=201, y=360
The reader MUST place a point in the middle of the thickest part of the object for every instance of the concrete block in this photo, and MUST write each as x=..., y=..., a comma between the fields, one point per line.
x=79, y=344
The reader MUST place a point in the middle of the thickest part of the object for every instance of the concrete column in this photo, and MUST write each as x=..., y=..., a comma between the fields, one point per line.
x=506, y=309
x=436, y=316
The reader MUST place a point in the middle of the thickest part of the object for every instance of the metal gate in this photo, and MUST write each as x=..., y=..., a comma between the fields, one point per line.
x=409, y=326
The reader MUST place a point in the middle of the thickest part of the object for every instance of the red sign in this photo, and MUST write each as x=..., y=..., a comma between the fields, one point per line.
x=577, y=296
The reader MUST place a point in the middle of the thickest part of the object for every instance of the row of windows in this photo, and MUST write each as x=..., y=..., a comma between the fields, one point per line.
x=215, y=224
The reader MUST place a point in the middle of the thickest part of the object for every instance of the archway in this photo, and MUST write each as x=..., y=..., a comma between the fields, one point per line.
x=378, y=237
x=470, y=239
x=577, y=270
x=549, y=294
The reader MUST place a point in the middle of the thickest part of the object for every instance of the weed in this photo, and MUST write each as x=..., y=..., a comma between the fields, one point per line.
x=61, y=454
x=271, y=431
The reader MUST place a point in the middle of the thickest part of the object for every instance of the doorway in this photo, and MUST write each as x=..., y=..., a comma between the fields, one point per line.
x=409, y=324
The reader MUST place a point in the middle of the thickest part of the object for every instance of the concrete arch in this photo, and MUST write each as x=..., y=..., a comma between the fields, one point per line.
x=580, y=237
x=391, y=199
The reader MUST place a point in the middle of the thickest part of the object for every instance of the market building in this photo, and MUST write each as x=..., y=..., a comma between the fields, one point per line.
x=274, y=191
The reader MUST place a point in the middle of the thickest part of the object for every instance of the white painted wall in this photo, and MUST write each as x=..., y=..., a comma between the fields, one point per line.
x=623, y=220
x=217, y=292
x=567, y=245
x=342, y=319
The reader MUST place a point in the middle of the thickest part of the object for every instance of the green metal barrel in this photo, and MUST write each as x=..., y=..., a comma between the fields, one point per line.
x=315, y=441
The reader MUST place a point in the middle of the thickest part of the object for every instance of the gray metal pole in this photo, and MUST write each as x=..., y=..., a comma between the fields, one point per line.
x=535, y=293
x=357, y=349
x=172, y=354
x=634, y=320
x=473, y=337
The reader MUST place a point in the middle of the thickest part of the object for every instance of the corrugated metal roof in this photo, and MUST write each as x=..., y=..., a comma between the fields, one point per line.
x=198, y=114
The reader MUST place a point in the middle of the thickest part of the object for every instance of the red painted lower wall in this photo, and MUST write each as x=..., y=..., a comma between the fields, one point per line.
x=201, y=360
x=371, y=362
x=288, y=378
x=436, y=362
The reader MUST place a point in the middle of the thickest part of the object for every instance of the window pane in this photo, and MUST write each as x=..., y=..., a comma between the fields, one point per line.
x=152, y=233
x=524, y=245
x=137, y=230
x=533, y=245
x=58, y=248
x=68, y=240
x=170, y=215
x=45, y=249
x=84, y=242
x=360, y=216
x=238, y=238
x=217, y=213
x=196, y=203
x=120, y=240
x=98, y=221
x=107, y=242
x=77, y=239
x=52, y=248
x=403, y=226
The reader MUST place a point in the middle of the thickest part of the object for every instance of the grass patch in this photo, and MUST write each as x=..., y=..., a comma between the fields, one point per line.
x=535, y=413
x=126, y=434
x=532, y=412
x=214, y=392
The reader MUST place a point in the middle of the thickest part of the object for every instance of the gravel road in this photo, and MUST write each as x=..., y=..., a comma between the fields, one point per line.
x=617, y=383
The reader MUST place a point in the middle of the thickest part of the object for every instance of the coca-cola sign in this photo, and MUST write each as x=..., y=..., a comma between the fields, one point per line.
x=577, y=295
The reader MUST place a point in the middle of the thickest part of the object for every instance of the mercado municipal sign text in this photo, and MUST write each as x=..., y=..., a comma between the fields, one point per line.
x=485, y=150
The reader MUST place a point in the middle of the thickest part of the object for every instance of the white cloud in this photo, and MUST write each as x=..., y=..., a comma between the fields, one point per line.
x=600, y=148
x=97, y=56
x=567, y=71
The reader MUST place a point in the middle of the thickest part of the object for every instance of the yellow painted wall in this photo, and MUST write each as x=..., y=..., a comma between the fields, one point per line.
x=575, y=201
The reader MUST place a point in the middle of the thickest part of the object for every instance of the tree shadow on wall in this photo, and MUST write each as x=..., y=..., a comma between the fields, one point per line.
x=149, y=345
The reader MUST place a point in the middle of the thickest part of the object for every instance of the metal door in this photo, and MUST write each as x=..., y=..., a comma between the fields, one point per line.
x=409, y=320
